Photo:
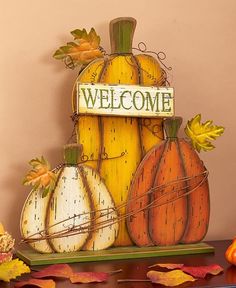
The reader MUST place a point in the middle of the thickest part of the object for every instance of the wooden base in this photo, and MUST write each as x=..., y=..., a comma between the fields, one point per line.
x=31, y=257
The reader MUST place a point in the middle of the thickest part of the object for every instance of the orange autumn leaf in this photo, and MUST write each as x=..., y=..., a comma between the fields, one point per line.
x=82, y=51
x=202, y=271
x=56, y=270
x=171, y=278
x=169, y=266
x=40, y=176
x=36, y=283
x=65, y=271
x=89, y=277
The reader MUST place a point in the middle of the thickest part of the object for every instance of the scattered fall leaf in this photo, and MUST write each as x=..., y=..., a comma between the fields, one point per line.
x=82, y=51
x=36, y=283
x=40, y=176
x=169, y=266
x=5, y=257
x=171, y=278
x=202, y=271
x=65, y=271
x=89, y=277
x=202, y=134
x=12, y=269
x=55, y=270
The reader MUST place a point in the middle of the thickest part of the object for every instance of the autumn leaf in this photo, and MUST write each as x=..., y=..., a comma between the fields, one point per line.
x=12, y=269
x=89, y=277
x=82, y=51
x=170, y=279
x=36, y=283
x=169, y=266
x=201, y=135
x=202, y=271
x=65, y=271
x=40, y=176
x=5, y=257
x=56, y=270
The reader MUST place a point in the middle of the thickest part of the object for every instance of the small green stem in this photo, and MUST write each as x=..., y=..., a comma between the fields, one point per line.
x=72, y=153
x=171, y=126
x=121, y=35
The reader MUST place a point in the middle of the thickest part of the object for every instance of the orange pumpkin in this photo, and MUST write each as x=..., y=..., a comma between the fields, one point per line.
x=169, y=197
x=230, y=253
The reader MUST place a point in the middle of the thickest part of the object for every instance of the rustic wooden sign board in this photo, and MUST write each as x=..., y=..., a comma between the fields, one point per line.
x=125, y=100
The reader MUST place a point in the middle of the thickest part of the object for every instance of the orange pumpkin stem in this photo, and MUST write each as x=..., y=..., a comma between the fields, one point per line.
x=171, y=126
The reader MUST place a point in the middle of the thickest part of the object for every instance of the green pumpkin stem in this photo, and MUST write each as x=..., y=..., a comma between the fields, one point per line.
x=72, y=153
x=121, y=35
x=171, y=126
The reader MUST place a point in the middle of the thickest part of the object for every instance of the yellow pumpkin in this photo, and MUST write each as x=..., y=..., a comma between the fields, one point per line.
x=113, y=136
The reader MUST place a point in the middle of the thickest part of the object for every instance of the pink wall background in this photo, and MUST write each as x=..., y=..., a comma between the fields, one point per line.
x=199, y=40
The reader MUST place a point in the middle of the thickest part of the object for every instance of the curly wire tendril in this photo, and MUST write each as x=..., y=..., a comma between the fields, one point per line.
x=71, y=229
x=161, y=56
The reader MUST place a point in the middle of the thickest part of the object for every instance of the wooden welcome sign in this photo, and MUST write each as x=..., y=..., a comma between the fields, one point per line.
x=124, y=100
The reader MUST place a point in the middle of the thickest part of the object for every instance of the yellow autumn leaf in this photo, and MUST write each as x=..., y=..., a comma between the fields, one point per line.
x=201, y=134
x=170, y=279
x=12, y=269
x=82, y=51
x=40, y=176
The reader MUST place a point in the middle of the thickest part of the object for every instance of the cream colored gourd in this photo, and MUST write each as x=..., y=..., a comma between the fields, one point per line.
x=81, y=198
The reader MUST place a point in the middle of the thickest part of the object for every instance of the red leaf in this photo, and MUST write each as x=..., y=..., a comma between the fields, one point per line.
x=89, y=277
x=169, y=266
x=37, y=283
x=202, y=271
x=56, y=270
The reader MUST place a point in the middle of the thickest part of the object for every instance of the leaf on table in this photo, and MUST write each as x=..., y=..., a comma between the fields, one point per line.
x=55, y=270
x=169, y=266
x=5, y=256
x=82, y=51
x=12, y=269
x=202, y=271
x=40, y=176
x=89, y=277
x=36, y=283
x=170, y=279
x=201, y=134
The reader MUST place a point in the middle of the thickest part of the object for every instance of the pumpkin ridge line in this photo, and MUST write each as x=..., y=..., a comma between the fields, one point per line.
x=100, y=124
x=140, y=81
x=48, y=208
x=166, y=146
x=92, y=207
x=185, y=189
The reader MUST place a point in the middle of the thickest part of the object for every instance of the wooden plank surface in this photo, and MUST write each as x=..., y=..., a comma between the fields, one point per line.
x=34, y=258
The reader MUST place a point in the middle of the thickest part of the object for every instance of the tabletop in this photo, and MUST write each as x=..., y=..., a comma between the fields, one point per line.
x=138, y=268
